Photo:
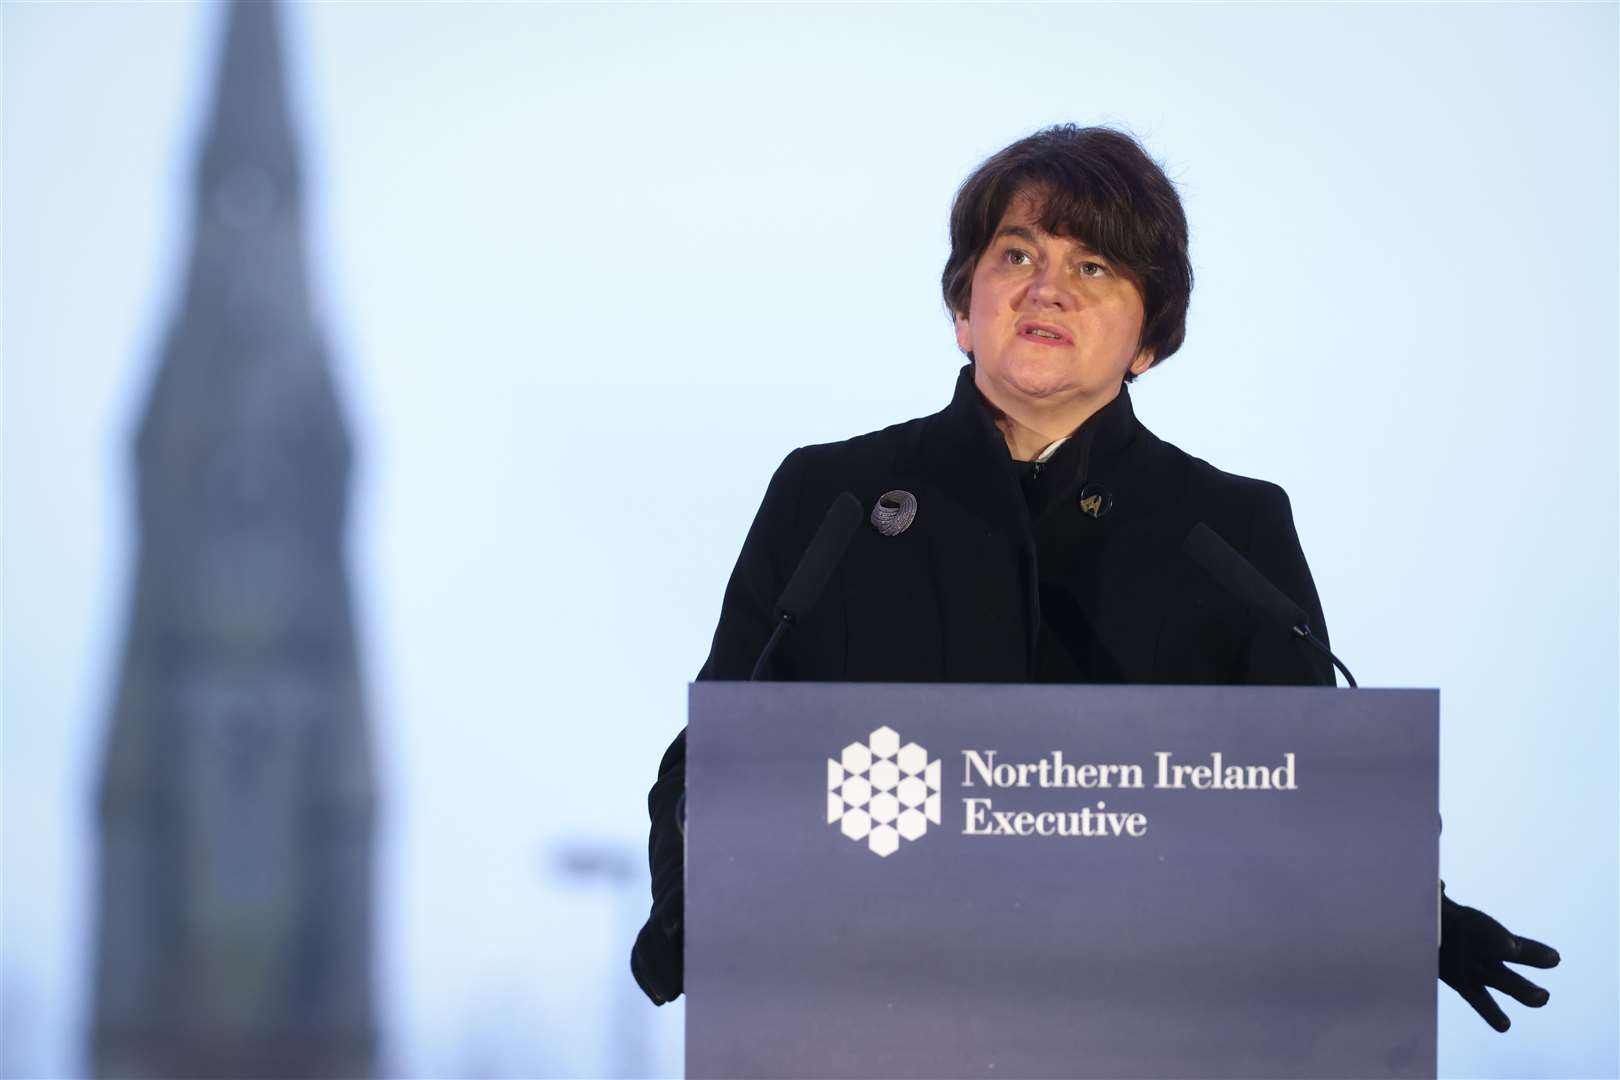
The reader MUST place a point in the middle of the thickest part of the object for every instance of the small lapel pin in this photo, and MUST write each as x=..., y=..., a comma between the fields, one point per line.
x=894, y=512
x=1096, y=500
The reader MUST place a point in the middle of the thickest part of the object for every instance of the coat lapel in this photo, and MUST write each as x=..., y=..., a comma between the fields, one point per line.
x=986, y=558
x=959, y=451
x=959, y=454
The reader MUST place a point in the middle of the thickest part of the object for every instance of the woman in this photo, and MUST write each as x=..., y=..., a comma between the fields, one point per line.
x=1032, y=531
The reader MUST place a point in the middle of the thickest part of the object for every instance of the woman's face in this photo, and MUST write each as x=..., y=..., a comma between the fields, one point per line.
x=1049, y=320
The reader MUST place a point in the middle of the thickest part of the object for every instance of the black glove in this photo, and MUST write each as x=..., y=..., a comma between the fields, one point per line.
x=1473, y=947
x=656, y=959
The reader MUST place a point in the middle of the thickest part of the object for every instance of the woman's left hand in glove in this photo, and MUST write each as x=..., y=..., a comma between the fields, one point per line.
x=1474, y=952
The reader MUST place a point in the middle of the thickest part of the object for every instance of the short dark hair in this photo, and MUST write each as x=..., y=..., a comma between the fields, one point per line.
x=1096, y=185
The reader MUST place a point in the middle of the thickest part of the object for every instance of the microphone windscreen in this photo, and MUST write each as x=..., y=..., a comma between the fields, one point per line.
x=821, y=557
x=1239, y=577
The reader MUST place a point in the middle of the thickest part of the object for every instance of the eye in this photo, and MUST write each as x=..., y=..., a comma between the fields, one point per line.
x=1092, y=269
x=1016, y=256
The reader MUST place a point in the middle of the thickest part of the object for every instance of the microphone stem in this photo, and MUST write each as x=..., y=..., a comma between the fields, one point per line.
x=1304, y=631
x=770, y=647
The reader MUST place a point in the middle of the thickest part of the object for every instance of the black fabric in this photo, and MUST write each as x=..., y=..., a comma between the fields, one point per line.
x=1475, y=950
x=1000, y=578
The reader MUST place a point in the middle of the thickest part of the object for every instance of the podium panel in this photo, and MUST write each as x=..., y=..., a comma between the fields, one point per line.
x=1060, y=881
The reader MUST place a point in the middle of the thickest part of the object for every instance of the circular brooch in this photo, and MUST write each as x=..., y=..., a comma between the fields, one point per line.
x=894, y=512
x=1096, y=500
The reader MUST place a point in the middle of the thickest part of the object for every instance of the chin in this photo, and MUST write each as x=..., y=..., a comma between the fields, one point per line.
x=1041, y=380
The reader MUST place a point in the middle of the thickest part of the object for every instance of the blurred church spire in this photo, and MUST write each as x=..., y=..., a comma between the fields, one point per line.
x=236, y=800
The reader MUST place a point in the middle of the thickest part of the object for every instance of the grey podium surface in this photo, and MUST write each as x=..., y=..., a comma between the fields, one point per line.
x=886, y=880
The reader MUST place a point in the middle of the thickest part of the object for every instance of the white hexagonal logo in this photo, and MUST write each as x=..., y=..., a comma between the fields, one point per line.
x=856, y=825
x=912, y=824
x=881, y=793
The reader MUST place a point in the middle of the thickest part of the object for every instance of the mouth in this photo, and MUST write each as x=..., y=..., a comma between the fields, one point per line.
x=1043, y=334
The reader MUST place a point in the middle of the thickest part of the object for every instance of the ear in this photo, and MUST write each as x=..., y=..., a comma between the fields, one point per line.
x=964, y=333
x=1143, y=361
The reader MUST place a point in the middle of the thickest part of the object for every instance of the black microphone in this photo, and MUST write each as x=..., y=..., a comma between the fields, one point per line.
x=815, y=568
x=1240, y=578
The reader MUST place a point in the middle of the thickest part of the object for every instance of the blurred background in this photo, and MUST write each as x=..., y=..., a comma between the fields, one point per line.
x=388, y=388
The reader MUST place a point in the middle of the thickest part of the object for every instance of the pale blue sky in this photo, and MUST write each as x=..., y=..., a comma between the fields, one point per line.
x=589, y=272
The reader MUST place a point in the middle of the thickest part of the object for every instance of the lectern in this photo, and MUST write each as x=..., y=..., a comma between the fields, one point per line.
x=913, y=880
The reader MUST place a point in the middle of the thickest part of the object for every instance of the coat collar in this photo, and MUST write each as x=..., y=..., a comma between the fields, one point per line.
x=963, y=452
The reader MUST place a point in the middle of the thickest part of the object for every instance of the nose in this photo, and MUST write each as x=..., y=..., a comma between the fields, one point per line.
x=1048, y=289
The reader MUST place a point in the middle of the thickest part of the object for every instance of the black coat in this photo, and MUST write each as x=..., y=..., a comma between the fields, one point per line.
x=983, y=588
